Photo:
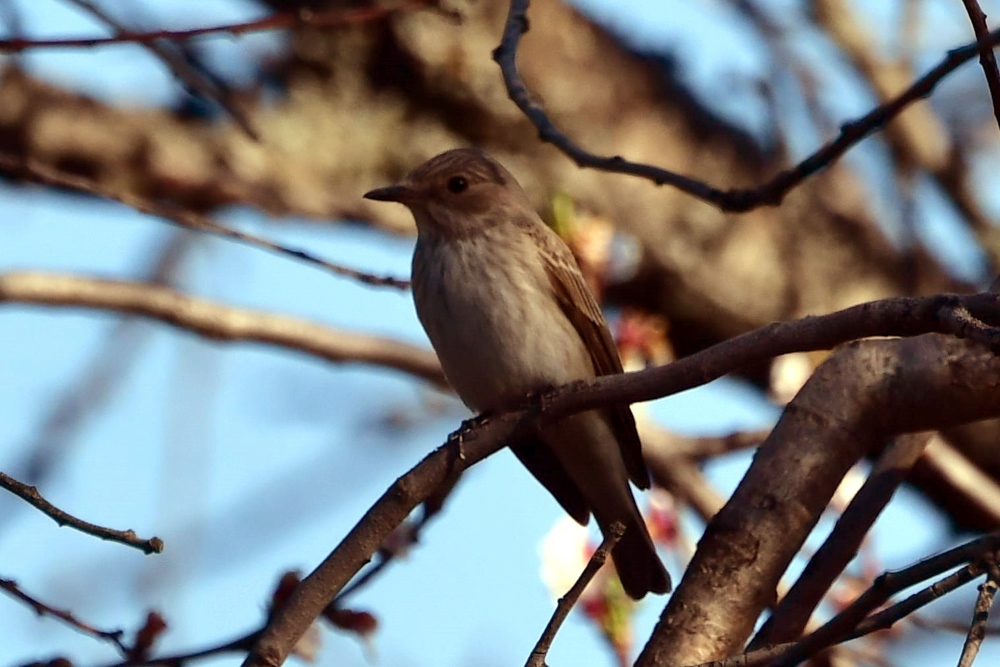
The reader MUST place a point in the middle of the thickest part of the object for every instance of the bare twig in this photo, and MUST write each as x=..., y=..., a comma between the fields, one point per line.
x=10, y=587
x=770, y=193
x=889, y=616
x=977, y=629
x=323, y=19
x=848, y=623
x=311, y=597
x=218, y=322
x=946, y=625
x=127, y=537
x=985, y=49
x=36, y=171
x=793, y=652
x=237, y=645
x=182, y=69
x=568, y=601
x=918, y=138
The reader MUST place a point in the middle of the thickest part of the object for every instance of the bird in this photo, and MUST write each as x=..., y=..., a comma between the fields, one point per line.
x=509, y=314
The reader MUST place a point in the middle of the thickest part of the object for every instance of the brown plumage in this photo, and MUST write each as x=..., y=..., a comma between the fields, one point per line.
x=509, y=313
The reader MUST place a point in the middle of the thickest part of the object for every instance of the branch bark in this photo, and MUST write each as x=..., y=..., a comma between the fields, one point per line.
x=865, y=393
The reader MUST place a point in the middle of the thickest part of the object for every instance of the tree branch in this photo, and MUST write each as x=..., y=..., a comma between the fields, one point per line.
x=568, y=601
x=792, y=614
x=279, y=21
x=770, y=193
x=864, y=394
x=977, y=629
x=186, y=219
x=153, y=545
x=218, y=322
x=949, y=357
x=985, y=50
x=10, y=587
x=183, y=70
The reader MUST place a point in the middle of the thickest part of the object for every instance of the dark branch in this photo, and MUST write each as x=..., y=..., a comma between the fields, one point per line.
x=977, y=629
x=30, y=494
x=770, y=193
x=181, y=68
x=568, y=601
x=985, y=50
x=112, y=636
x=909, y=317
x=280, y=21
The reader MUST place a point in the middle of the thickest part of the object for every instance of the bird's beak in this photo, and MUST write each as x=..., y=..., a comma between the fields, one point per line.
x=398, y=193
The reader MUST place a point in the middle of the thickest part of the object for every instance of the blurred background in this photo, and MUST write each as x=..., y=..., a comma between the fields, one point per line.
x=251, y=460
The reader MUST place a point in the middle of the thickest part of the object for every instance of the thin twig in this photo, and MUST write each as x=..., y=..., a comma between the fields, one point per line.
x=770, y=193
x=848, y=623
x=279, y=21
x=36, y=171
x=568, y=601
x=847, y=626
x=709, y=447
x=985, y=49
x=945, y=625
x=180, y=67
x=886, y=618
x=153, y=545
x=238, y=645
x=10, y=587
x=791, y=653
x=977, y=629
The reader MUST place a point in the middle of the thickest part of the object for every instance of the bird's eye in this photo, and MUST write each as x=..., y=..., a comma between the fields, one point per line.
x=457, y=184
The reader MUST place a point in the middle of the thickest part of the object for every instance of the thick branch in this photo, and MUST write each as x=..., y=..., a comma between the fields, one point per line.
x=864, y=394
x=791, y=616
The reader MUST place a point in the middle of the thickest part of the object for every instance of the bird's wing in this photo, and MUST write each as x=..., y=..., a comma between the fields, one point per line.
x=581, y=309
x=542, y=463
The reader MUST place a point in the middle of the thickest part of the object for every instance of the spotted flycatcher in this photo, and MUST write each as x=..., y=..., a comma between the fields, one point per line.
x=509, y=313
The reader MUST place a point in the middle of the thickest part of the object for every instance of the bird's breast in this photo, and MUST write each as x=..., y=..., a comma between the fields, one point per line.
x=493, y=320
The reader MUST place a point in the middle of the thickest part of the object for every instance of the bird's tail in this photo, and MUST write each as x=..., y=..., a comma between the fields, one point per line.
x=639, y=568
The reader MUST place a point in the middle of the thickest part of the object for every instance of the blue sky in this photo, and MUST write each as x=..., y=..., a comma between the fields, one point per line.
x=249, y=461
